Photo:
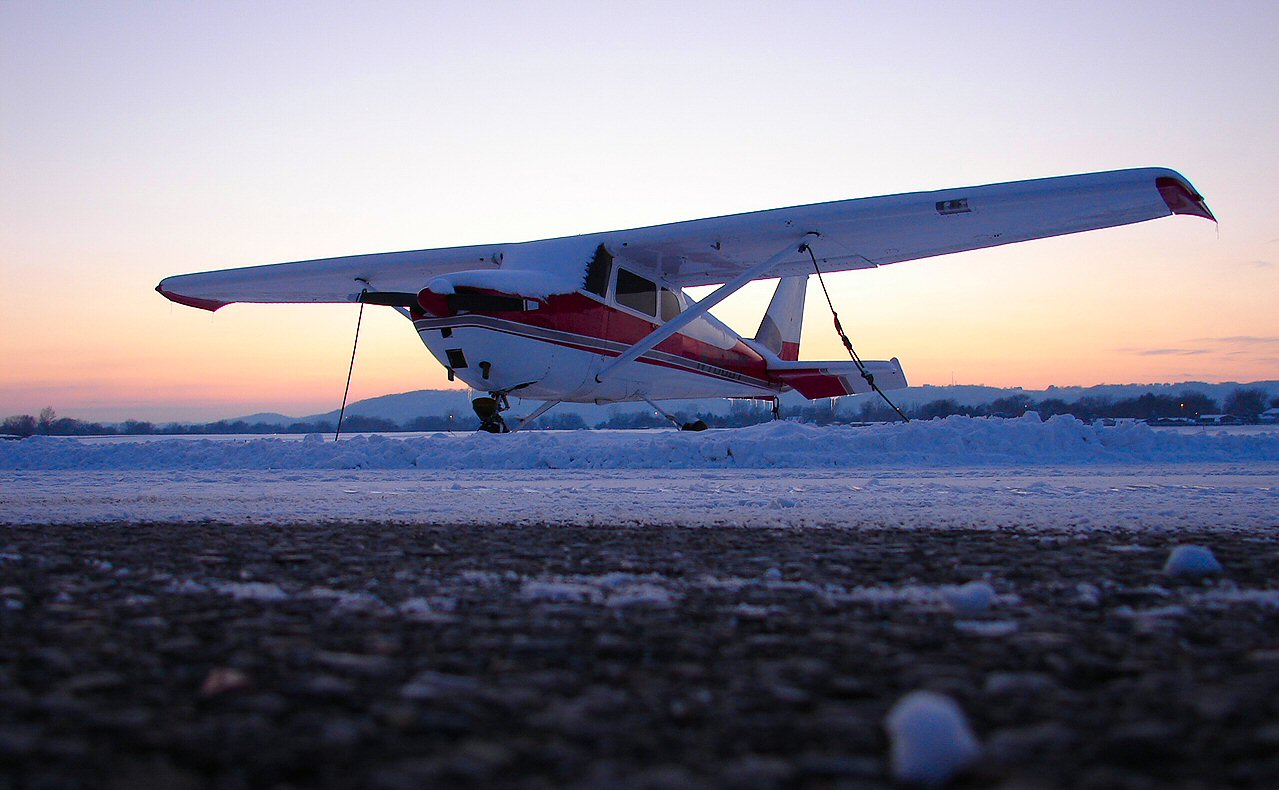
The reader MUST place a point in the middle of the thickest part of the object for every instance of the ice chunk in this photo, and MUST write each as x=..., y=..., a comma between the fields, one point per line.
x=252, y=591
x=986, y=627
x=1087, y=594
x=971, y=598
x=1191, y=561
x=557, y=591
x=416, y=608
x=641, y=595
x=345, y=601
x=931, y=739
x=430, y=685
x=224, y=680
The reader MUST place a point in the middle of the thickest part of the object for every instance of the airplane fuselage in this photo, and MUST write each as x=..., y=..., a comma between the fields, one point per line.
x=555, y=350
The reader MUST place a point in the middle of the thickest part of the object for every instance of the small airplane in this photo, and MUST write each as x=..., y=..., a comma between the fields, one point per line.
x=602, y=317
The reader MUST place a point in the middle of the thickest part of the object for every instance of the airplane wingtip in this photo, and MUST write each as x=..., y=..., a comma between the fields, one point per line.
x=190, y=301
x=1182, y=198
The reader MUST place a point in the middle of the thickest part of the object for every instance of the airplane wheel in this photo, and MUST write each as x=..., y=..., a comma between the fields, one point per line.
x=696, y=425
x=490, y=416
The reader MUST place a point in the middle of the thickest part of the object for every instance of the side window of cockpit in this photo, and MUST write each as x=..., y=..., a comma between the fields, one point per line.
x=670, y=304
x=637, y=293
x=598, y=272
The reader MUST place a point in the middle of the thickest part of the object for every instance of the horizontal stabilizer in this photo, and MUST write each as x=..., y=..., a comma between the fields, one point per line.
x=833, y=379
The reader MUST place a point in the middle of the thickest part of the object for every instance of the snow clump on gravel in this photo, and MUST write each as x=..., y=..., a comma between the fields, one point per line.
x=1191, y=561
x=971, y=598
x=931, y=739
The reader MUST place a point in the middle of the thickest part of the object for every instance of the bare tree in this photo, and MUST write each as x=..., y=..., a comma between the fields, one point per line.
x=19, y=425
x=1246, y=403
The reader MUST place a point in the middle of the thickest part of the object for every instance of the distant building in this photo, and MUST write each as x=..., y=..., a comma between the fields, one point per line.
x=1269, y=416
x=1164, y=422
x=1218, y=419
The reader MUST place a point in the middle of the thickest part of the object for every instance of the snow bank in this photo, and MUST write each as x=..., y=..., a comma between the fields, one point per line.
x=931, y=739
x=954, y=441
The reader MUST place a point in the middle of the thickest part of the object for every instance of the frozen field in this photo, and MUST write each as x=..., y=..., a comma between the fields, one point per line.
x=960, y=472
x=771, y=607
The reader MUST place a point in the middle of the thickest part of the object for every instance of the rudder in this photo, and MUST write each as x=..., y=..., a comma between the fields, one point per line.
x=780, y=329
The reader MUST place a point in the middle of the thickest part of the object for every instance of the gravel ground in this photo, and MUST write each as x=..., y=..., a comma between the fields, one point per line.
x=650, y=657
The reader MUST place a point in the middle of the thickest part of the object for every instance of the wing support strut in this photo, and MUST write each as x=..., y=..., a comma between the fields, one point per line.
x=520, y=422
x=668, y=329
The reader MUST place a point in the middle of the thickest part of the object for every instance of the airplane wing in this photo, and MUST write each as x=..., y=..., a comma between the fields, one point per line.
x=868, y=232
x=326, y=279
x=854, y=234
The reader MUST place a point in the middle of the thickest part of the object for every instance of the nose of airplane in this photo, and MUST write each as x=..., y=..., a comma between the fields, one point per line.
x=433, y=303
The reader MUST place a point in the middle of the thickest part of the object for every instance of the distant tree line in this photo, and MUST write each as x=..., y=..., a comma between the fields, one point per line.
x=1245, y=404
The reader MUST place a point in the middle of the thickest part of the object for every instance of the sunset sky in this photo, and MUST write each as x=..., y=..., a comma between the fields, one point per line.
x=139, y=140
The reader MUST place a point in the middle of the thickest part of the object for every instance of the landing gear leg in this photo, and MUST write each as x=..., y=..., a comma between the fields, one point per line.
x=489, y=410
x=777, y=408
x=695, y=425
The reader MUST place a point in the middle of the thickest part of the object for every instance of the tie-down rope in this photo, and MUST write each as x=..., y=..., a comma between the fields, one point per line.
x=866, y=374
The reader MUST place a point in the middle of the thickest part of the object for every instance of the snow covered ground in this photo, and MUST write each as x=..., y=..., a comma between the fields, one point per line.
x=1044, y=599
x=959, y=472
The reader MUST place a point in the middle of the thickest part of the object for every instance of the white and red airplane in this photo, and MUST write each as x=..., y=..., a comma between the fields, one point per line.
x=602, y=317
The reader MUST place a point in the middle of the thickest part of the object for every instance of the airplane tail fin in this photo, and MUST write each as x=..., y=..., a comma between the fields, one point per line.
x=779, y=331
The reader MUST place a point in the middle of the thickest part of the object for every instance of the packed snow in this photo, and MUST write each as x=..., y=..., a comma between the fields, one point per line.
x=952, y=473
x=954, y=441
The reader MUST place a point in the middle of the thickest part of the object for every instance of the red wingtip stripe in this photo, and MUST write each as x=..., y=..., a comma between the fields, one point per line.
x=190, y=301
x=1181, y=199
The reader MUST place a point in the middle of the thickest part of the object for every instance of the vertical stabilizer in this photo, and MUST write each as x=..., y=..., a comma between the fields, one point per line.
x=779, y=331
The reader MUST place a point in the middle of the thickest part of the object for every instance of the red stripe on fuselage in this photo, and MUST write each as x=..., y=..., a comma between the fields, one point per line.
x=579, y=314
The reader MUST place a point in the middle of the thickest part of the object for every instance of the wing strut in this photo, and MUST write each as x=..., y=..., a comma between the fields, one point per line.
x=668, y=329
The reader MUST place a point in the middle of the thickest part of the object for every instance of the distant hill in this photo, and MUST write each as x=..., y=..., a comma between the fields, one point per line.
x=406, y=406
x=267, y=417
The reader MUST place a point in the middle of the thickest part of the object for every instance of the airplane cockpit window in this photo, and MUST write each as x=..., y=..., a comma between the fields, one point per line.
x=670, y=304
x=600, y=269
x=637, y=293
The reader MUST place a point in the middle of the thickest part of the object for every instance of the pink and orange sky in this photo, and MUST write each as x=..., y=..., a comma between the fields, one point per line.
x=139, y=140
